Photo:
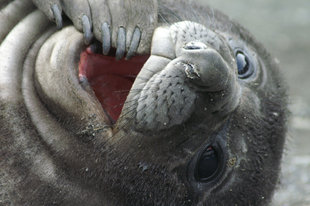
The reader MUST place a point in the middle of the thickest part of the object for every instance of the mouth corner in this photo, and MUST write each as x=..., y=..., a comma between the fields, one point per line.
x=110, y=79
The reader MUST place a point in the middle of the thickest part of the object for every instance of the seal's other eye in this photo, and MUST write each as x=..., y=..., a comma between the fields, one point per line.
x=207, y=165
x=245, y=69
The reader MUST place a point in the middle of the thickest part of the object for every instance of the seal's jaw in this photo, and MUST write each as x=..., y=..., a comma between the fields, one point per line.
x=110, y=79
x=181, y=66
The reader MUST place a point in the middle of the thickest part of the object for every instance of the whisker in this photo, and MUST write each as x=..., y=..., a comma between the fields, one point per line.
x=142, y=78
x=171, y=14
x=163, y=18
x=144, y=97
x=127, y=90
x=151, y=71
x=212, y=19
x=196, y=19
x=122, y=91
x=174, y=14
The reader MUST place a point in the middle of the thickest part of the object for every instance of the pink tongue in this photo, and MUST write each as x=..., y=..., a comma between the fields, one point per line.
x=110, y=79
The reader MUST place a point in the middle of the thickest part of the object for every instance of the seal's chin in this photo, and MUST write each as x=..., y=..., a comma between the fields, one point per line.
x=110, y=79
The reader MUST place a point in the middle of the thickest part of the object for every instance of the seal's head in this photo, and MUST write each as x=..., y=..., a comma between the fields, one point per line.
x=204, y=122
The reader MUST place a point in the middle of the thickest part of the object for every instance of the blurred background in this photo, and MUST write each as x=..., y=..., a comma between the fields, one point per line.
x=283, y=26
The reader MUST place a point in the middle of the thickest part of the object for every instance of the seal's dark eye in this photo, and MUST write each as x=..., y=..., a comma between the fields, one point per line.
x=243, y=64
x=207, y=165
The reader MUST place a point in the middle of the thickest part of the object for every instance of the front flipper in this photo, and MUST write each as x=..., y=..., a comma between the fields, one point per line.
x=126, y=25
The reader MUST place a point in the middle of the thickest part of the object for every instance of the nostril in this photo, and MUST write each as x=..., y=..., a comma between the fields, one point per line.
x=190, y=71
x=195, y=45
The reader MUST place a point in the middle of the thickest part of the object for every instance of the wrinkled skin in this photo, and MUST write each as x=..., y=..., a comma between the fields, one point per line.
x=59, y=147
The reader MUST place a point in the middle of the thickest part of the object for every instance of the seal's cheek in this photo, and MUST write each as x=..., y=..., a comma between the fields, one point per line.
x=110, y=79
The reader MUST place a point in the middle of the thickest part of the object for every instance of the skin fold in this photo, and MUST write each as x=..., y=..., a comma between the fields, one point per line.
x=58, y=146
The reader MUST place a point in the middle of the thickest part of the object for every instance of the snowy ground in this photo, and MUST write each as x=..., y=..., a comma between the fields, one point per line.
x=284, y=27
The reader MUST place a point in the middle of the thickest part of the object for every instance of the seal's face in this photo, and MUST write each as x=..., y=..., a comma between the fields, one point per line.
x=203, y=122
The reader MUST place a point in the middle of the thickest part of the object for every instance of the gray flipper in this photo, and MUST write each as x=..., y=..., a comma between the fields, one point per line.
x=105, y=19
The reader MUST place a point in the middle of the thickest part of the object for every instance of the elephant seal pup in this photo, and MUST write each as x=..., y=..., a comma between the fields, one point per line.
x=204, y=122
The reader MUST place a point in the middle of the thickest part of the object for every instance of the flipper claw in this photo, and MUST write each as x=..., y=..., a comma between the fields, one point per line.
x=57, y=15
x=134, y=43
x=87, y=29
x=106, y=38
x=121, y=43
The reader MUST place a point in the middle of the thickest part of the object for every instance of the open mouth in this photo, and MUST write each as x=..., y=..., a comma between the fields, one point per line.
x=110, y=79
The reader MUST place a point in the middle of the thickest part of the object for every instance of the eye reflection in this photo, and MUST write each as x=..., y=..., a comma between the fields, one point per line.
x=245, y=69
